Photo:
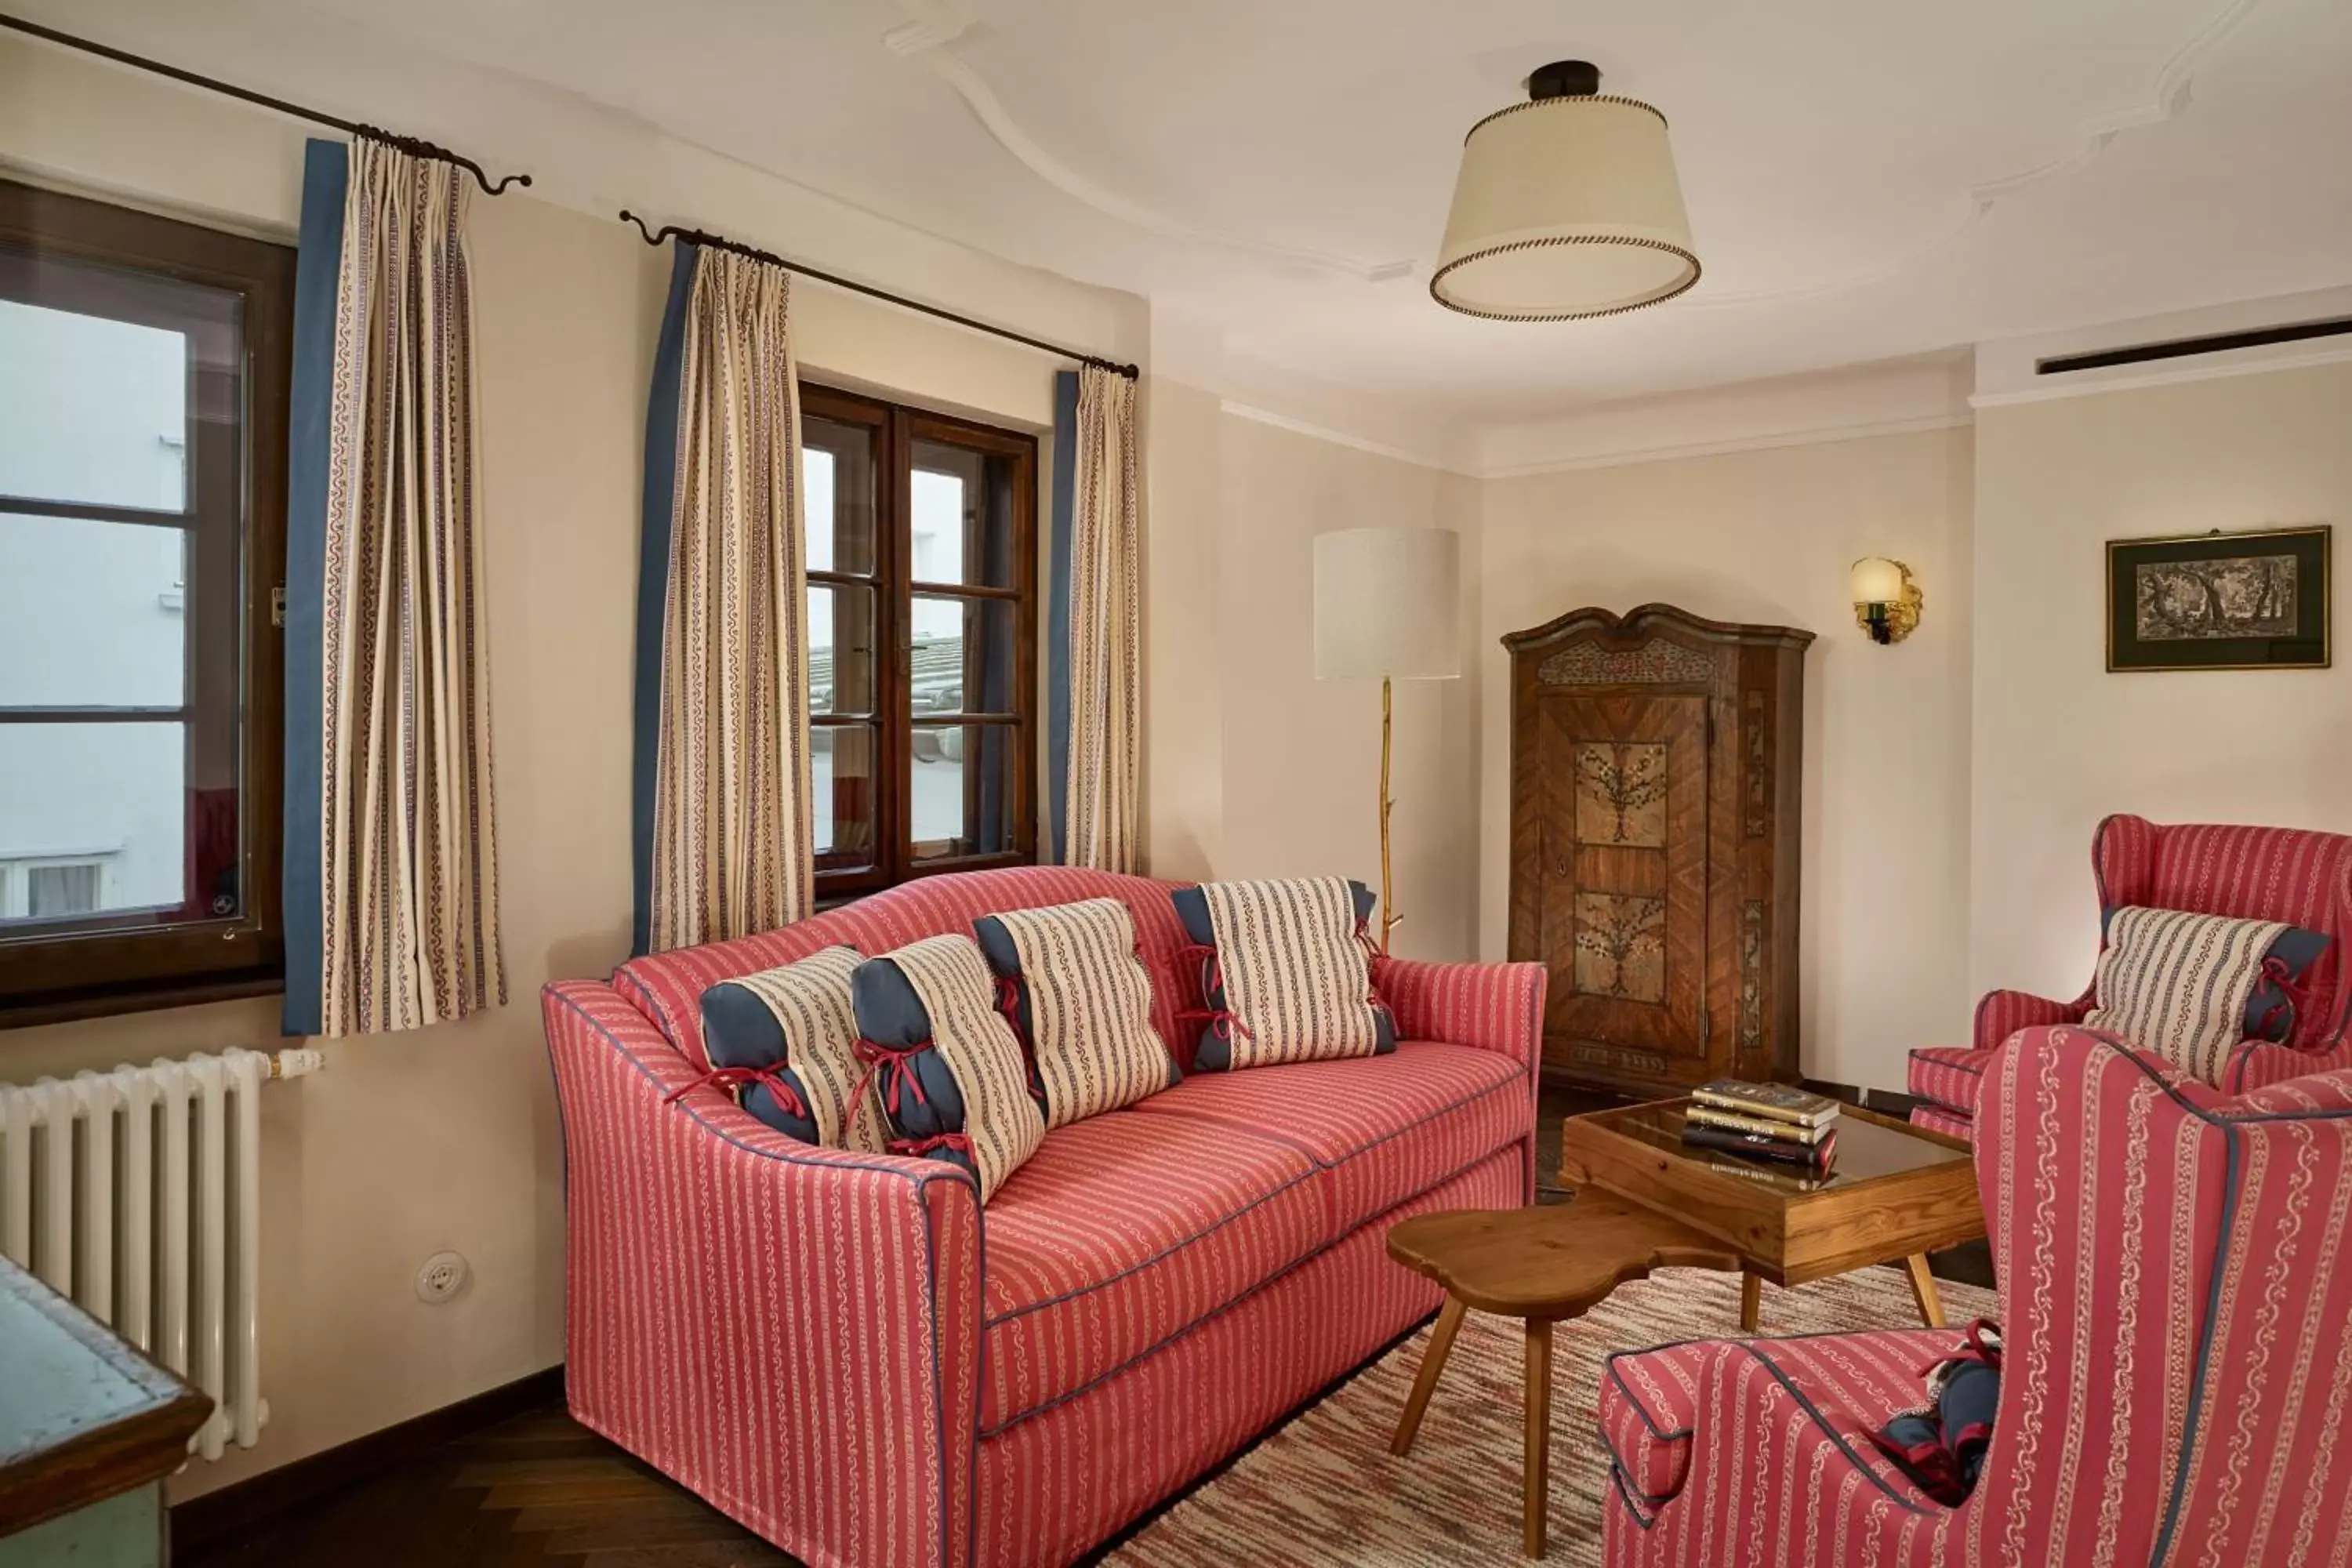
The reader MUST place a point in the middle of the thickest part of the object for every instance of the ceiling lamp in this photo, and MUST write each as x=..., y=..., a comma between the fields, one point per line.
x=1566, y=207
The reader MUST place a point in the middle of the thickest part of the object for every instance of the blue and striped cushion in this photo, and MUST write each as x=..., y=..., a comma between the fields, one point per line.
x=2193, y=987
x=795, y=1029
x=1289, y=975
x=1084, y=1000
x=952, y=1078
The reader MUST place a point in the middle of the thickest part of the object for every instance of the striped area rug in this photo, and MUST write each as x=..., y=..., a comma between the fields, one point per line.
x=1324, y=1490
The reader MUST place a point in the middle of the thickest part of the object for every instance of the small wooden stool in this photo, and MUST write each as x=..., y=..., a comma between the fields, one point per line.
x=1543, y=1264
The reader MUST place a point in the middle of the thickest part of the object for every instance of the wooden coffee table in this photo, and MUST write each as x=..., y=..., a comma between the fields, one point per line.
x=1896, y=1193
x=1542, y=1265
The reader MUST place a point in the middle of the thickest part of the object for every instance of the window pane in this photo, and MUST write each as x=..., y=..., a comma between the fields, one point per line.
x=842, y=768
x=97, y=364
x=963, y=788
x=54, y=892
x=92, y=615
x=95, y=818
x=962, y=521
x=837, y=491
x=965, y=659
x=841, y=650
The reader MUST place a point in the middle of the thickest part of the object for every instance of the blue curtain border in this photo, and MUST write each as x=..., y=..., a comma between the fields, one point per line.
x=1057, y=614
x=318, y=270
x=653, y=588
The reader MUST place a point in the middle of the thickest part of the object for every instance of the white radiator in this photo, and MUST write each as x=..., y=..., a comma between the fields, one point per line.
x=138, y=1193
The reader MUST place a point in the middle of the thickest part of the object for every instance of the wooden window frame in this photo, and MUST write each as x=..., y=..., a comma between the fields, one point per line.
x=89, y=973
x=898, y=429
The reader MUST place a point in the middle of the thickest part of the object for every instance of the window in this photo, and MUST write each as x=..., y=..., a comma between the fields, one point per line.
x=923, y=565
x=143, y=367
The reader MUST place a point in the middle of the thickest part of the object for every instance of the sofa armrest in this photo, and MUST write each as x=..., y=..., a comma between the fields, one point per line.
x=2002, y=1014
x=791, y=1332
x=1493, y=1006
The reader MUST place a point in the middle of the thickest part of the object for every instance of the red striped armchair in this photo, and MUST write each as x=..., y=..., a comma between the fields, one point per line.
x=2252, y=873
x=2176, y=1292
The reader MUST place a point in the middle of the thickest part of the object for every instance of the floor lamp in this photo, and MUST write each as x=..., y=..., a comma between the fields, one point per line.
x=1385, y=602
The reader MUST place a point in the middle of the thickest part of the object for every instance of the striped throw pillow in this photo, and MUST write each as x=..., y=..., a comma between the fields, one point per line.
x=786, y=1039
x=1085, y=1001
x=1288, y=978
x=951, y=1070
x=2176, y=983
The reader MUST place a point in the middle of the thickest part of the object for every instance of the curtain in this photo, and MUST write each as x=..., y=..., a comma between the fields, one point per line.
x=1094, y=701
x=722, y=831
x=392, y=906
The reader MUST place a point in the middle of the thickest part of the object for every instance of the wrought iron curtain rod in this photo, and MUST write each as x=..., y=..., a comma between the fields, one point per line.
x=720, y=242
x=408, y=145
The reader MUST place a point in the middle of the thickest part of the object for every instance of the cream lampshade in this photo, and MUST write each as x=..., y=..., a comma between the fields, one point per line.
x=1385, y=604
x=1567, y=205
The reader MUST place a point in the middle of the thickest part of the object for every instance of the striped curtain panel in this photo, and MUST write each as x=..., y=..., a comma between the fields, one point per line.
x=391, y=899
x=1095, y=703
x=722, y=829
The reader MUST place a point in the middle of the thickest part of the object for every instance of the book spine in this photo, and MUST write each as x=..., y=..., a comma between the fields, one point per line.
x=1740, y=1121
x=1772, y=1149
x=1719, y=1100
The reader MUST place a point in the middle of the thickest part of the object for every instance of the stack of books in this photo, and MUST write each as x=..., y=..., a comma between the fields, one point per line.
x=1764, y=1120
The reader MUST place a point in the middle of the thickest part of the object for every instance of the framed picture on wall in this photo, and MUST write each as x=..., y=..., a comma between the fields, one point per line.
x=2220, y=601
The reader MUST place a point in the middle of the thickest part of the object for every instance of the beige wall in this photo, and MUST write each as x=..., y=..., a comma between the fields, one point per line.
x=448, y=1137
x=1766, y=536
x=2059, y=742
x=1301, y=757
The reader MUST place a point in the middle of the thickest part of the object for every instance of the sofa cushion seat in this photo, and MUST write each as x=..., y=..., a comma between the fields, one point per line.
x=1854, y=1383
x=1378, y=1130
x=1948, y=1076
x=1121, y=1232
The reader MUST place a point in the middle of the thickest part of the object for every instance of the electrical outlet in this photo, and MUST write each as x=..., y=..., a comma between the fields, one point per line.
x=440, y=1277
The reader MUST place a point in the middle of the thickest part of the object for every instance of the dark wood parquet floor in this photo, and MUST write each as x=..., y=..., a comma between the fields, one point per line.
x=537, y=1490
x=541, y=1491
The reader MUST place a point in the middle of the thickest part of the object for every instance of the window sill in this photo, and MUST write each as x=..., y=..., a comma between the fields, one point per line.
x=112, y=1001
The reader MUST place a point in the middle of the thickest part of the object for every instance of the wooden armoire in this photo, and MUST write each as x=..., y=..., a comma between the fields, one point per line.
x=1656, y=761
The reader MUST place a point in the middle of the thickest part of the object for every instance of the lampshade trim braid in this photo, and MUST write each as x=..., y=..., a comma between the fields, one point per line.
x=1494, y=250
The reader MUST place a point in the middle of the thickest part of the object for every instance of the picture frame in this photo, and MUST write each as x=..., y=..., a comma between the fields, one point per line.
x=2257, y=599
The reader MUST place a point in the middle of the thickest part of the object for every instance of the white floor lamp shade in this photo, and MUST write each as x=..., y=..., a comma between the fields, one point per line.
x=1384, y=610
x=1385, y=602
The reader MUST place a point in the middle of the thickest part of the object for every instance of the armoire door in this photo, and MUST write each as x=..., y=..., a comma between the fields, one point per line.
x=1625, y=877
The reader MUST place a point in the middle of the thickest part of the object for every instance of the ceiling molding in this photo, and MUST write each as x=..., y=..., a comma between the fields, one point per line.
x=931, y=41
x=1820, y=435
x=1258, y=416
x=1889, y=399
x=2168, y=95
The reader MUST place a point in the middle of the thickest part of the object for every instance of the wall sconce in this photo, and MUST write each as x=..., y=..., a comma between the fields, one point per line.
x=1886, y=600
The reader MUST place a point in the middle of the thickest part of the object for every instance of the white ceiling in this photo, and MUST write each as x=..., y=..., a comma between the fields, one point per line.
x=1866, y=179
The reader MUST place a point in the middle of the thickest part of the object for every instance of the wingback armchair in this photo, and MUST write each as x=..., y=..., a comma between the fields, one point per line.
x=2176, y=1297
x=2253, y=873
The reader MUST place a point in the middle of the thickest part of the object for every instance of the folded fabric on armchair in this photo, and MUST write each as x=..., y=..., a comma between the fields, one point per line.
x=2193, y=986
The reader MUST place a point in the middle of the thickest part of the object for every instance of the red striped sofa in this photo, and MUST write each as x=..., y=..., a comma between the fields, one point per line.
x=2175, y=1268
x=845, y=1353
x=2252, y=873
